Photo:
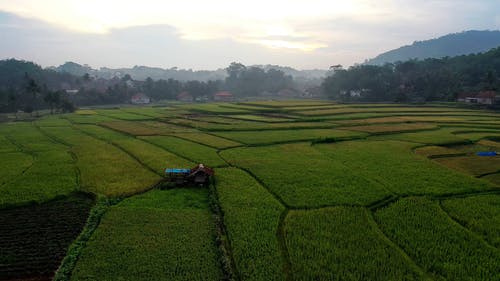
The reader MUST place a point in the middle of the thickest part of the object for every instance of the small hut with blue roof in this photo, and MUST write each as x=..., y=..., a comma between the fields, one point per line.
x=199, y=175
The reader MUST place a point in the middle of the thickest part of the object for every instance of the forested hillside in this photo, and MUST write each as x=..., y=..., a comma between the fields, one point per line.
x=416, y=81
x=456, y=44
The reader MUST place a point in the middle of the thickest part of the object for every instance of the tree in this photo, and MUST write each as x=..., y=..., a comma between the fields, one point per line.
x=52, y=98
x=67, y=106
x=12, y=101
x=33, y=89
x=86, y=77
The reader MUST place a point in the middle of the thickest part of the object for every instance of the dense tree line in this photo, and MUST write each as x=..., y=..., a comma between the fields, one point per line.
x=416, y=80
x=28, y=87
x=252, y=81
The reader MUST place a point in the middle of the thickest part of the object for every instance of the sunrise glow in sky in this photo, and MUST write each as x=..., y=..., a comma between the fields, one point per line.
x=210, y=34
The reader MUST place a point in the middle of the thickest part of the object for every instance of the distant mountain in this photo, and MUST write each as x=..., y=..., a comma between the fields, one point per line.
x=156, y=73
x=142, y=72
x=456, y=44
x=304, y=74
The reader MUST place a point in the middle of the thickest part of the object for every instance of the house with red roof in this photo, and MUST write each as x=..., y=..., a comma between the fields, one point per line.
x=223, y=96
x=185, y=97
x=140, y=98
x=484, y=97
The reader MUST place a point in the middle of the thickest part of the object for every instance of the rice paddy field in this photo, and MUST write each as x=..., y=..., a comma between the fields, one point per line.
x=303, y=190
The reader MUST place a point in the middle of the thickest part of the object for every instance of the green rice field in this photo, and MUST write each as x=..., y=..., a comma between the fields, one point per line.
x=302, y=190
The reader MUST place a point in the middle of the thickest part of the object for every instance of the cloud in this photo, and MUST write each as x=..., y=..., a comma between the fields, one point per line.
x=299, y=33
x=152, y=45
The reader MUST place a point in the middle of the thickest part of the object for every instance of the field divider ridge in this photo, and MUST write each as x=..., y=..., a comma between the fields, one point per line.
x=375, y=227
x=465, y=228
x=228, y=264
x=285, y=254
x=122, y=149
x=21, y=150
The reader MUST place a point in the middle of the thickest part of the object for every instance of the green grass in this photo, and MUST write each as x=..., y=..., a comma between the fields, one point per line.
x=12, y=165
x=370, y=121
x=212, y=108
x=88, y=118
x=280, y=136
x=397, y=168
x=104, y=169
x=151, y=155
x=432, y=151
x=391, y=128
x=474, y=165
x=154, y=112
x=390, y=109
x=29, y=138
x=40, y=169
x=475, y=136
x=52, y=174
x=252, y=108
x=122, y=115
x=219, y=119
x=438, y=137
x=304, y=177
x=52, y=120
x=453, y=118
x=159, y=235
x=288, y=103
x=261, y=118
x=328, y=234
x=480, y=214
x=206, y=139
x=193, y=151
x=6, y=146
x=146, y=128
x=494, y=178
x=340, y=243
x=241, y=125
x=439, y=245
x=251, y=217
x=458, y=150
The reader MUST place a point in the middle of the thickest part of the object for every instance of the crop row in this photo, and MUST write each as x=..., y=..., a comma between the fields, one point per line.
x=159, y=235
x=34, y=239
x=480, y=214
x=277, y=136
x=152, y=156
x=190, y=150
x=463, y=157
x=304, y=177
x=87, y=118
x=251, y=217
x=440, y=246
x=40, y=170
x=104, y=169
x=340, y=243
x=391, y=128
x=206, y=139
x=228, y=124
x=122, y=115
x=145, y=128
x=394, y=165
x=391, y=109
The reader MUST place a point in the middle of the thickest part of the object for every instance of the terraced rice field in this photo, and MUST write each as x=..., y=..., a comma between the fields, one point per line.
x=303, y=190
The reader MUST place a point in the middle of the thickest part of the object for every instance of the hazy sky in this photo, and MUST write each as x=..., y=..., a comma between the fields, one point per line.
x=211, y=34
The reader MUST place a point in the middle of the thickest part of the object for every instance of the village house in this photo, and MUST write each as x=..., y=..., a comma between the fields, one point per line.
x=72, y=91
x=484, y=97
x=185, y=97
x=223, y=96
x=140, y=98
